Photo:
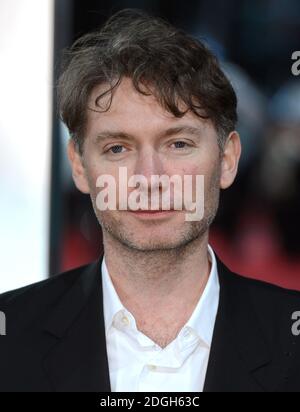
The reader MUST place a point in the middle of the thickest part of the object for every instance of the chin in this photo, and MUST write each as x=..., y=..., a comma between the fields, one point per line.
x=152, y=243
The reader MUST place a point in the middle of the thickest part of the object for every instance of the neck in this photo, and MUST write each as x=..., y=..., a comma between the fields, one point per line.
x=158, y=287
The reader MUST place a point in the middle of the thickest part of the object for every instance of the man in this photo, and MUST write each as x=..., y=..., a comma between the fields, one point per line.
x=159, y=311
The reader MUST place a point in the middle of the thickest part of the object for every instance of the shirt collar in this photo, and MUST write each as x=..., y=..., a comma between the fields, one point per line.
x=203, y=317
x=111, y=301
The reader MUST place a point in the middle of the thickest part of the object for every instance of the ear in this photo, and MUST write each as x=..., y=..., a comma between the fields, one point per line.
x=77, y=166
x=230, y=160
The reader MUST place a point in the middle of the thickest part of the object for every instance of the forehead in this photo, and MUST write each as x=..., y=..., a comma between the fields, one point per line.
x=133, y=111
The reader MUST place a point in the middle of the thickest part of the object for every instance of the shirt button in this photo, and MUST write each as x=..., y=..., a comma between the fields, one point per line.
x=186, y=334
x=125, y=320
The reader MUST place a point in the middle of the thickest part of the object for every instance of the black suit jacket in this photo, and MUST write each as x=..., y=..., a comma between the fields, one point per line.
x=55, y=339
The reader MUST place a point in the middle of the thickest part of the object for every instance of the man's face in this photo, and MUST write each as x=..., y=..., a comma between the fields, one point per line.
x=148, y=140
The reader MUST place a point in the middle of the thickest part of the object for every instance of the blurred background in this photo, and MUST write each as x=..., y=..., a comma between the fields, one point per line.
x=47, y=226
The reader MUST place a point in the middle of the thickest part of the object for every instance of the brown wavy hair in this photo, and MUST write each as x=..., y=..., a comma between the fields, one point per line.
x=160, y=60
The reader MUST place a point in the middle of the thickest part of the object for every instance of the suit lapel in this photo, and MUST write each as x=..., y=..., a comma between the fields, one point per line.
x=78, y=359
x=240, y=359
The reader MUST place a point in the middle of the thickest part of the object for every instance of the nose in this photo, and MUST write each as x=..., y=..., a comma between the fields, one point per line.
x=149, y=163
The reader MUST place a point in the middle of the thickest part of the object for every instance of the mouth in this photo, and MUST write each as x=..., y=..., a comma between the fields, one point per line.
x=153, y=214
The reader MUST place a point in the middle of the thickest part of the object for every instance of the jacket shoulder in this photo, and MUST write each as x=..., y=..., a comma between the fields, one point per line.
x=274, y=292
x=267, y=291
x=275, y=306
x=42, y=291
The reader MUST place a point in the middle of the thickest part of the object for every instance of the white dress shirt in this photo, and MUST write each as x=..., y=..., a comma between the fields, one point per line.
x=137, y=364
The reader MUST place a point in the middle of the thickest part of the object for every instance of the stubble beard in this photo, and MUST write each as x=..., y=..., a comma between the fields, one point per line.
x=115, y=229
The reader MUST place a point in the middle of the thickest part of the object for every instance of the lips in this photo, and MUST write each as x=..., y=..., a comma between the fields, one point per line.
x=151, y=211
x=152, y=214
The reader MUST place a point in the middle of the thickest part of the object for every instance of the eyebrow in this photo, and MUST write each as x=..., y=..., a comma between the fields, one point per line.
x=172, y=131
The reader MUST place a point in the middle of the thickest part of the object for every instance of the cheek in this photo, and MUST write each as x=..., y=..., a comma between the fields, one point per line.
x=96, y=168
x=210, y=170
x=92, y=175
x=195, y=170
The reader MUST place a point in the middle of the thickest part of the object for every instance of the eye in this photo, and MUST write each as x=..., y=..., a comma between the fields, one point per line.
x=181, y=144
x=115, y=149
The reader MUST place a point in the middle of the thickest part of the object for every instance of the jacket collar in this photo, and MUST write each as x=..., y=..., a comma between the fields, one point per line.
x=77, y=357
x=239, y=354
